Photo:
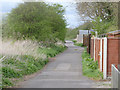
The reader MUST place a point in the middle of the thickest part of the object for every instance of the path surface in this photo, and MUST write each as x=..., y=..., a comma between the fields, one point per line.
x=63, y=72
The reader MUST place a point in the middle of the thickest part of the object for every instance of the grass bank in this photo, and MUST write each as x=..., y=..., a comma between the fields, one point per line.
x=90, y=67
x=15, y=67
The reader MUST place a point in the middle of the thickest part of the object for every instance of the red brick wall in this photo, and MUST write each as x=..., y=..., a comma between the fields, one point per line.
x=119, y=51
x=112, y=53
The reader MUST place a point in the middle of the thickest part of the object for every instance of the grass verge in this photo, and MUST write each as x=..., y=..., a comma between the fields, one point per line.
x=90, y=67
x=15, y=67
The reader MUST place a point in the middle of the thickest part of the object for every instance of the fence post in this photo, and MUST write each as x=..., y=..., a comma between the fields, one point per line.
x=89, y=42
x=94, y=48
x=101, y=54
x=115, y=77
x=119, y=77
x=105, y=59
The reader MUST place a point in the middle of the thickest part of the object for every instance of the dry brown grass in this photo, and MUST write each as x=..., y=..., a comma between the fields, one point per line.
x=26, y=47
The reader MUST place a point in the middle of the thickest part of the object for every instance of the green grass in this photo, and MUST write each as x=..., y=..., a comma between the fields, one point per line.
x=19, y=66
x=74, y=41
x=78, y=44
x=90, y=67
x=52, y=51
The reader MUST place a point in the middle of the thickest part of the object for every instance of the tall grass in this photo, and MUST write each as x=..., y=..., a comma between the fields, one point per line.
x=18, y=63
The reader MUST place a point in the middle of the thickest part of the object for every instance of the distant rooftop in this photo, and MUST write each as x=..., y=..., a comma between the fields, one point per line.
x=83, y=31
x=114, y=32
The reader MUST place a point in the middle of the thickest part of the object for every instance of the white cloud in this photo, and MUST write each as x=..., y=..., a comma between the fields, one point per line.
x=59, y=1
x=11, y=0
x=71, y=15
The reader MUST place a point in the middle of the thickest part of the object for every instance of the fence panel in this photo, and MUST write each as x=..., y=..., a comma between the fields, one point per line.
x=86, y=41
x=92, y=48
x=115, y=77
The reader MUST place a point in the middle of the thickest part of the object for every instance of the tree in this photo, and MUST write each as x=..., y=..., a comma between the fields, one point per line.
x=104, y=10
x=72, y=33
x=103, y=14
x=37, y=21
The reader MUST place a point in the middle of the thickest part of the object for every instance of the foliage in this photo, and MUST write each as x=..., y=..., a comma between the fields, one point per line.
x=103, y=14
x=78, y=44
x=103, y=26
x=36, y=21
x=104, y=10
x=90, y=67
x=72, y=33
x=12, y=72
x=86, y=26
x=74, y=41
x=18, y=66
x=52, y=51
x=6, y=82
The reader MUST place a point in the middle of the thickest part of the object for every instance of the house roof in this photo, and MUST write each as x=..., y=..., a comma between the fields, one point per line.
x=114, y=32
x=83, y=31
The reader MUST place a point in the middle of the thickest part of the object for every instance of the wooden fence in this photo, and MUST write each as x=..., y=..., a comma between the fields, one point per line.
x=106, y=51
x=115, y=77
x=86, y=41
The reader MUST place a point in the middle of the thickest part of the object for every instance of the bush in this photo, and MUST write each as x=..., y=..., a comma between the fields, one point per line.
x=36, y=21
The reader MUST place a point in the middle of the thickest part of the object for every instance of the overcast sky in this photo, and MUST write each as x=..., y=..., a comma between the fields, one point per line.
x=71, y=15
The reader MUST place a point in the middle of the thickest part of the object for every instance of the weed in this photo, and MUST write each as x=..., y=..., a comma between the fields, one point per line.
x=6, y=82
x=90, y=67
x=10, y=73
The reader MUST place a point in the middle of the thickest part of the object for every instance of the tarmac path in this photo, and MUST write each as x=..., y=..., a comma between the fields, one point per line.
x=64, y=71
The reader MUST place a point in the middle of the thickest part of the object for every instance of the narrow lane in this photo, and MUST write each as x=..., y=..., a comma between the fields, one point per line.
x=65, y=71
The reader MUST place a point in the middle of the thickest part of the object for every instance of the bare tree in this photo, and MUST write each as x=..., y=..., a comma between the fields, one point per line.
x=104, y=10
